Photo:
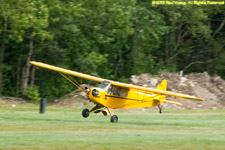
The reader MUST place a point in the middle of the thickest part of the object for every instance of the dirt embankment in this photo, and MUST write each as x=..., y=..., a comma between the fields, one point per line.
x=211, y=89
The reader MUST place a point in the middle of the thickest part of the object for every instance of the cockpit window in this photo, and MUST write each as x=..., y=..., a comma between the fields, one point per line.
x=105, y=85
x=114, y=90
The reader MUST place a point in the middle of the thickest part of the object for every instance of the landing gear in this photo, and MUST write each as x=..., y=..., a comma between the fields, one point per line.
x=160, y=109
x=105, y=112
x=101, y=111
x=114, y=119
x=85, y=113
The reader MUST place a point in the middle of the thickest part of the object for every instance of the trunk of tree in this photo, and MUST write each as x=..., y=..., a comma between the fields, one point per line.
x=118, y=66
x=32, y=77
x=26, y=72
x=18, y=76
x=134, y=51
x=2, y=51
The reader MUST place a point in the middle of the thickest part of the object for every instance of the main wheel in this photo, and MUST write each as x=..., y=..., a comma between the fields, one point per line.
x=85, y=113
x=114, y=118
x=104, y=113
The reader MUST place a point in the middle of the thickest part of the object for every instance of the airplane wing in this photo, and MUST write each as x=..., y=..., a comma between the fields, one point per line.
x=155, y=91
x=130, y=86
x=66, y=71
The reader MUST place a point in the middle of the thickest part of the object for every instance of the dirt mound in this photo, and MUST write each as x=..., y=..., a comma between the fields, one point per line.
x=211, y=89
x=75, y=99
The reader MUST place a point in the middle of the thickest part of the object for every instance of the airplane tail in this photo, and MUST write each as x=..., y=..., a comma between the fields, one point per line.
x=162, y=86
x=162, y=98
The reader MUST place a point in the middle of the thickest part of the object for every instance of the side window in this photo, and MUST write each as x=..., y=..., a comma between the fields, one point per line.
x=118, y=91
x=123, y=92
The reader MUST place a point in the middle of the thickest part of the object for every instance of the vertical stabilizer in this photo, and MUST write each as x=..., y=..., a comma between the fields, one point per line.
x=162, y=86
x=161, y=98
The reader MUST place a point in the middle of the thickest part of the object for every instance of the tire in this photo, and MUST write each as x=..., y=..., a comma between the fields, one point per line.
x=114, y=119
x=85, y=113
x=104, y=113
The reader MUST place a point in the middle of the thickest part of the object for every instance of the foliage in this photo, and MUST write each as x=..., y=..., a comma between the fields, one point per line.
x=32, y=93
x=110, y=39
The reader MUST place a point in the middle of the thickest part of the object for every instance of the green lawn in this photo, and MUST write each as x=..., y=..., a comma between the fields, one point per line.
x=22, y=127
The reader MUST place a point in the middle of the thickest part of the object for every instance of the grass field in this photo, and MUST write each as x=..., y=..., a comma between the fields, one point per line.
x=23, y=128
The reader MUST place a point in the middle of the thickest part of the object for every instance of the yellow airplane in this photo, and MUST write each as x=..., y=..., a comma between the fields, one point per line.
x=111, y=95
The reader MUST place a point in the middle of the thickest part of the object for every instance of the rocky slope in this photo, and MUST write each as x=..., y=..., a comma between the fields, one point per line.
x=211, y=89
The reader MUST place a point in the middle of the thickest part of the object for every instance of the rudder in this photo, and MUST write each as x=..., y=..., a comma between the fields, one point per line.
x=162, y=86
x=161, y=98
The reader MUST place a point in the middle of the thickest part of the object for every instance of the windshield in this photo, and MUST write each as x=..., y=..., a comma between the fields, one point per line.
x=105, y=85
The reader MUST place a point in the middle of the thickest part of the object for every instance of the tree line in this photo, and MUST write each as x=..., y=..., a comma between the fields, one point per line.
x=106, y=38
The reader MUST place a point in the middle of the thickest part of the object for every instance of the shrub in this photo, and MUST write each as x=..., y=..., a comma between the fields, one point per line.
x=32, y=93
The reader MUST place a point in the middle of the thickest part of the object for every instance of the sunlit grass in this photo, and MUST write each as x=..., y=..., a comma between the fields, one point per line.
x=22, y=127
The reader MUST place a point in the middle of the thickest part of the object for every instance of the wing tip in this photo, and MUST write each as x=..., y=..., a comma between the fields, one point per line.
x=196, y=99
x=34, y=62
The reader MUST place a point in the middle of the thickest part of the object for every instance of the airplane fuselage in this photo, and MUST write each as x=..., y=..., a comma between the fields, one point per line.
x=129, y=99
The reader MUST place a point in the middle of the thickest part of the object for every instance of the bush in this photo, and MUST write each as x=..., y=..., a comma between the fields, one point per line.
x=32, y=93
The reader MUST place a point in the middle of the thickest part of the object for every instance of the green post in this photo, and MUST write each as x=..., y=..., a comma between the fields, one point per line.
x=42, y=105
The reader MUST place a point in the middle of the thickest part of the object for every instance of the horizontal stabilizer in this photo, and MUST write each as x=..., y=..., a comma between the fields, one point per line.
x=171, y=102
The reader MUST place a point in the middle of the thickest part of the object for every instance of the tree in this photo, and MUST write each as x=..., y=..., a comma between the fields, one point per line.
x=111, y=39
x=35, y=15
